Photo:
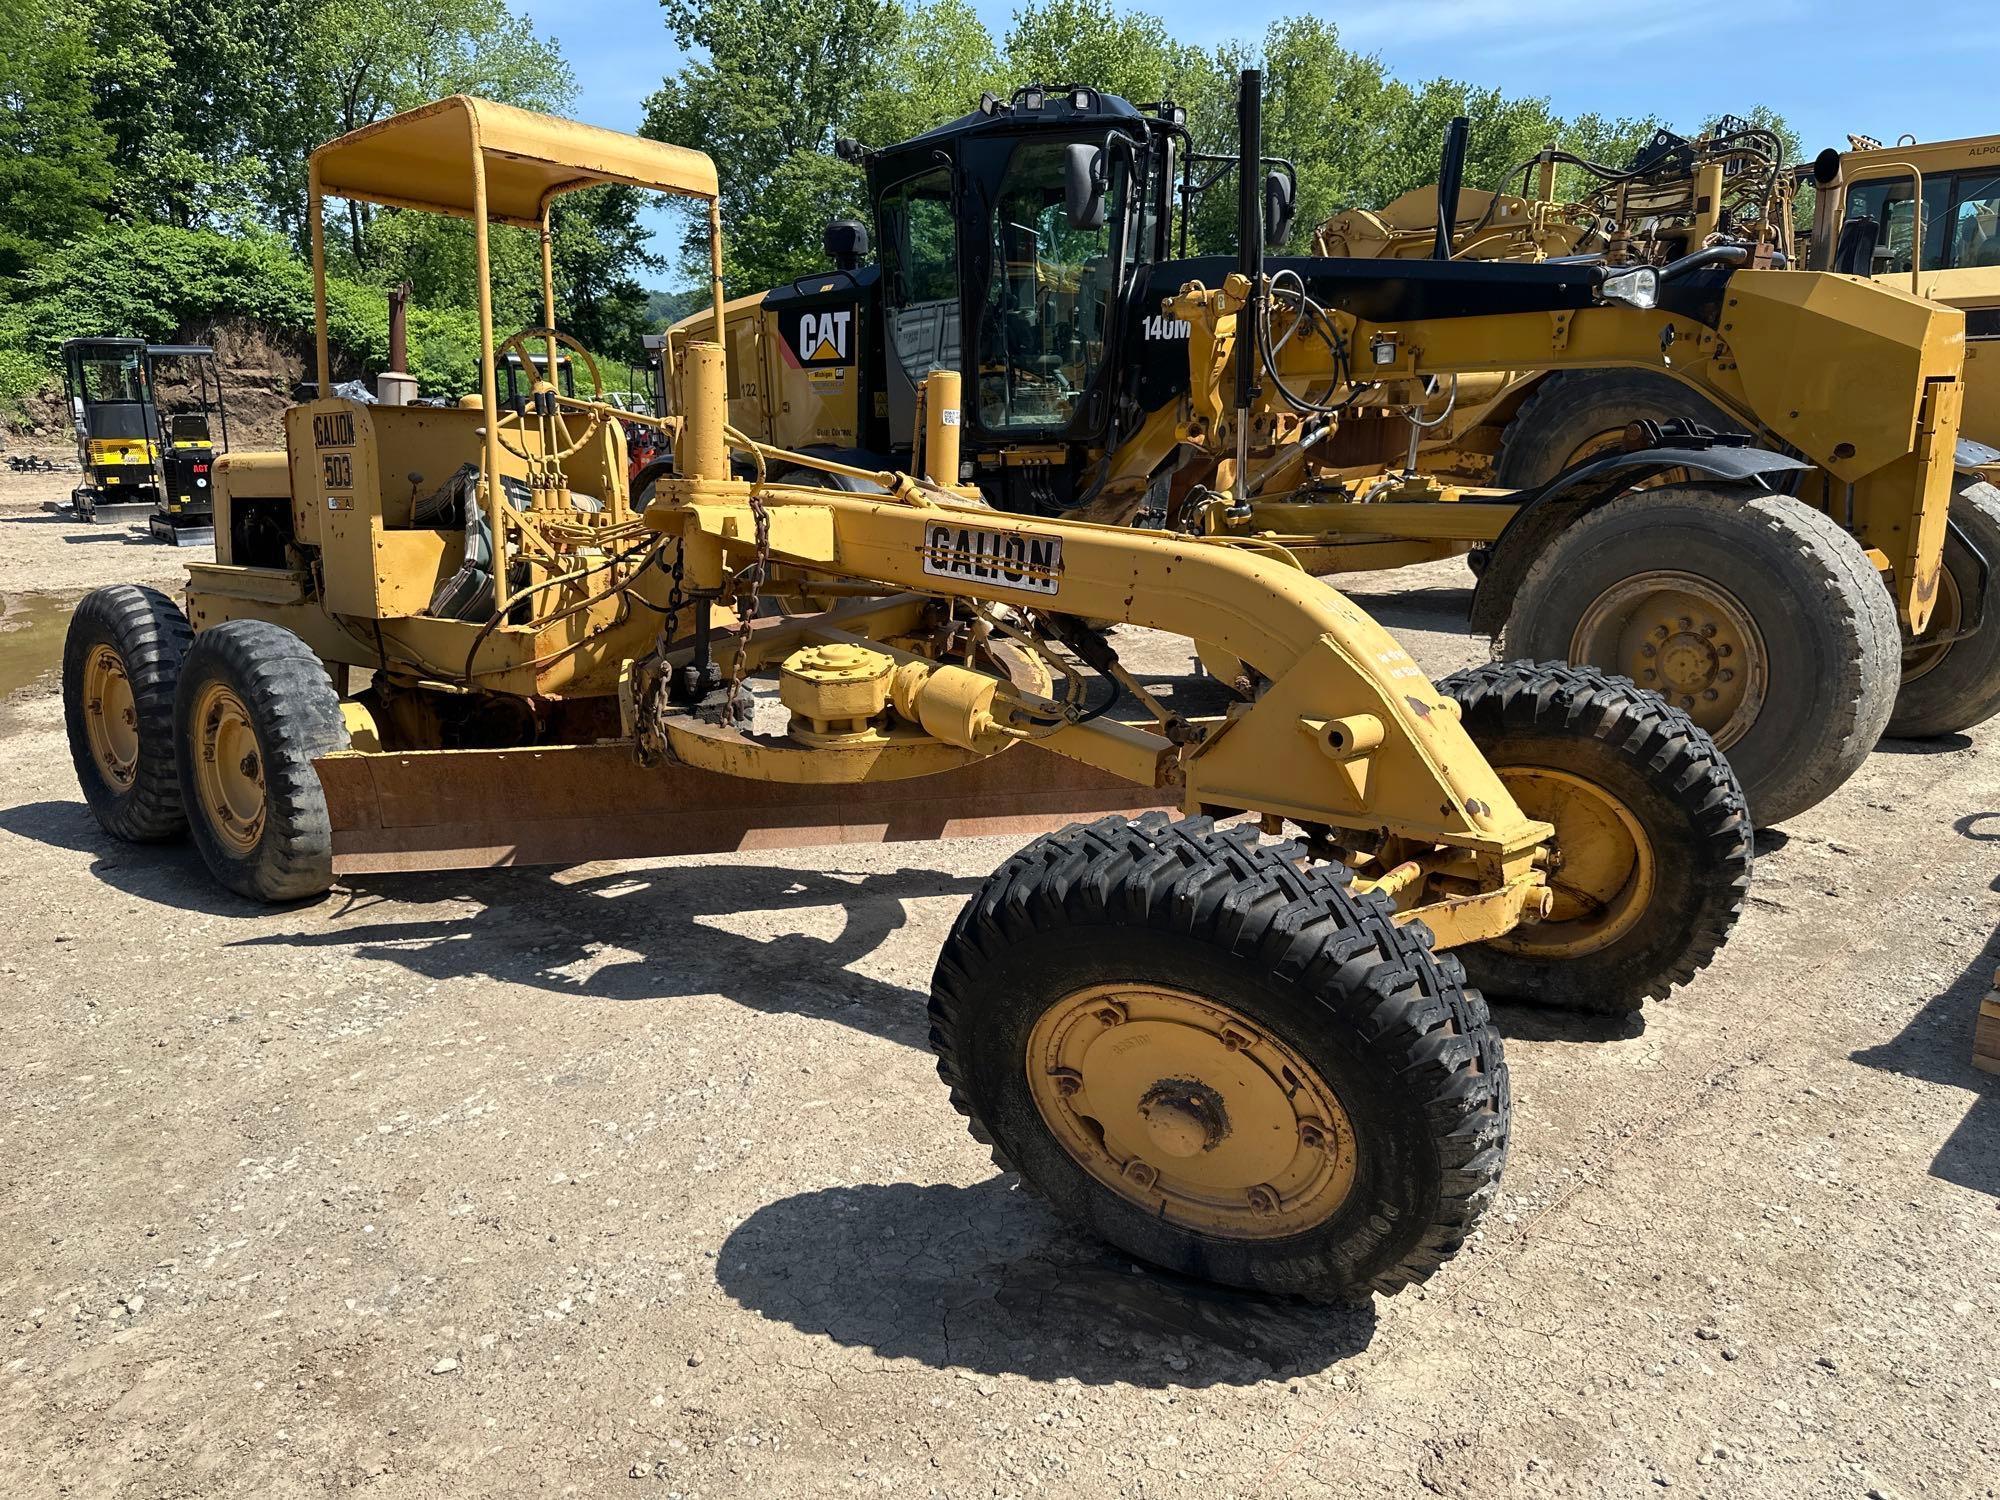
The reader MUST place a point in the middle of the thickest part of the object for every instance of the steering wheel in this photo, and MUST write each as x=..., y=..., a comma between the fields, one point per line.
x=545, y=400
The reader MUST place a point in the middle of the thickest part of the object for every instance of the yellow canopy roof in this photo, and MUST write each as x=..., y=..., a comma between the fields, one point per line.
x=423, y=159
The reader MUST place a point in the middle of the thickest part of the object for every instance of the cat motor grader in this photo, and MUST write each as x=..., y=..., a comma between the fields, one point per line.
x=1750, y=588
x=1730, y=190
x=1231, y=1043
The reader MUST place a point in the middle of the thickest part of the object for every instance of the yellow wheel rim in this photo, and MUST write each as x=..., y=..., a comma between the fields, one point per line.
x=1946, y=616
x=1186, y=1109
x=229, y=768
x=1687, y=640
x=111, y=717
x=1603, y=870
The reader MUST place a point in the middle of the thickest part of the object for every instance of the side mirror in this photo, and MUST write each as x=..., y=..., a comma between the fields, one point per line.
x=1279, y=205
x=845, y=242
x=1083, y=185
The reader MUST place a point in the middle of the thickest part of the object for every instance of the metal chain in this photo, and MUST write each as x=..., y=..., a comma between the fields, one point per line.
x=749, y=584
x=652, y=740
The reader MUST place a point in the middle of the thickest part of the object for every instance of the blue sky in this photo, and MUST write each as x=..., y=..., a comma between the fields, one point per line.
x=1828, y=68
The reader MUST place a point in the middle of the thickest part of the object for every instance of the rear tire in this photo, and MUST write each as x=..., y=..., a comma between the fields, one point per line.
x=1653, y=837
x=121, y=662
x=1954, y=687
x=255, y=707
x=1365, y=1096
x=1574, y=413
x=1790, y=656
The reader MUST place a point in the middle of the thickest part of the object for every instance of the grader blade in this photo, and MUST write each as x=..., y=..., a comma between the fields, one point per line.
x=567, y=804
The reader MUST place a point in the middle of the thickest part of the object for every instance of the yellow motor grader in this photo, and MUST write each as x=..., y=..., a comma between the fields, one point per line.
x=1230, y=1042
x=1729, y=191
x=1391, y=423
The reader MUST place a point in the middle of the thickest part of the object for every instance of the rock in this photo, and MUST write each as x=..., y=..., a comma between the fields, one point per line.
x=444, y=1366
x=1708, y=1333
x=1826, y=1362
x=694, y=1360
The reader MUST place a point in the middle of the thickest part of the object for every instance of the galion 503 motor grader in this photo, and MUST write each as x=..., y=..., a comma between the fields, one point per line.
x=1231, y=1042
x=1031, y=247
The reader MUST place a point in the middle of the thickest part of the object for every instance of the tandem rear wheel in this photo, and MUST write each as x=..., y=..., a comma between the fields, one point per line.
x=253, y=709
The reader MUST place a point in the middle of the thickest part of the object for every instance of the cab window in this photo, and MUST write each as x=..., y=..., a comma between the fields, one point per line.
x=1048, y=296
x=920, y=258
x=1975, y=222
x=114, y=378
x=1890, y=202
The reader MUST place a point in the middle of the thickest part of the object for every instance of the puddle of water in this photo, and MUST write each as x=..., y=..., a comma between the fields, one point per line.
x=31, y=637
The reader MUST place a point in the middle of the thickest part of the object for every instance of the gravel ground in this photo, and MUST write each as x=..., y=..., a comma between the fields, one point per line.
x=637, y=1179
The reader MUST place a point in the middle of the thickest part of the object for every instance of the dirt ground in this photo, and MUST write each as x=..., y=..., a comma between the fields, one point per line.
x=638, y=1179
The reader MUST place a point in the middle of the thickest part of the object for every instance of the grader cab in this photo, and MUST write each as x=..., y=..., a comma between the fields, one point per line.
x=1228, y=1042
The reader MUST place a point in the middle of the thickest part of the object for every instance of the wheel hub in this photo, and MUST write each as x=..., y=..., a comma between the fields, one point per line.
x=1684, y=638
x=111, y=717
x=1185, y=1108
x=1935, y=643
x=1603, y=871
x=229, y=772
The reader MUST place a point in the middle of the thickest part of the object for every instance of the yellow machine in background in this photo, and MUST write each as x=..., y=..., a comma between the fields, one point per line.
x=448, y=637
x=1768, y=589
x=1730, y=193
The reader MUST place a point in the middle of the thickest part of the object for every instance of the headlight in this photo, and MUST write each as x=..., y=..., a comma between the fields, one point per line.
x=1638, y=287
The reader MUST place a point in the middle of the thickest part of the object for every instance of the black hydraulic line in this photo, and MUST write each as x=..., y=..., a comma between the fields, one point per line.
x=1249, y=260
x=1451, y=175
x=1714, y=255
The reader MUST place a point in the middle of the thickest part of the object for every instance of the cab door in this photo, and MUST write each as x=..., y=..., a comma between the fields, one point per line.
x=920, y=292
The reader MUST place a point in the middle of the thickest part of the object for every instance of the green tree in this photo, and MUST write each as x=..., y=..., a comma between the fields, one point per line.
x=366, y=59
x=774, y=84
x=942, y=59
x=55, y=158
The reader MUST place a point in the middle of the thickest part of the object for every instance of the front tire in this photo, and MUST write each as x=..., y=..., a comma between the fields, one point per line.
x=121, y=662
x=1955, y=686
x=1577, y=414
x=1221, y=1063
x=1751, y=611
x=255, y=707
x=1651, y=858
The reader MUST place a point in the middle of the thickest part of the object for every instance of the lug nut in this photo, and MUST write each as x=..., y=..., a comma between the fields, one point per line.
x=1687, y=703
x=1111, y=1013
x=1649, y=649
x=1139, y=1173
x=1263, y=1199
x=1708, y=629
x=1650, y=674
x=1237, y=1041
x=1711, y=695
x=1069, y=1082
x=1312, y=1135
x=1724, y=649
x=1725, y=675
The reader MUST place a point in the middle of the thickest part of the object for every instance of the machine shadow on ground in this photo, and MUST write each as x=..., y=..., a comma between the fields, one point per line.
x=167, y=874
x=646, y=934
x=1436, y=608
x=1936, y=1046
x=985, y=1279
